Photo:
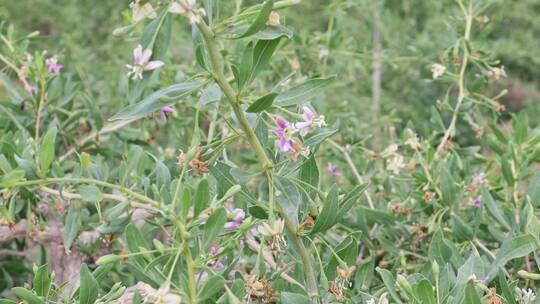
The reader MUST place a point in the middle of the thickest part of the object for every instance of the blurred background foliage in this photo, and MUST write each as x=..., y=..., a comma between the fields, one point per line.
x=337, y=38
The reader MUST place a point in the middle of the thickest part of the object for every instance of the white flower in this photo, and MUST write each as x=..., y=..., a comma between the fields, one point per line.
x=370, y=301
x=497, y=73
x=139, y=12
x=437, y=70
x=414, y=142
x=527, y=296
x=396, y=164
x=389, y=151
x=274, y=233
x=187, y=8
x=142, y=63
x=183, y=7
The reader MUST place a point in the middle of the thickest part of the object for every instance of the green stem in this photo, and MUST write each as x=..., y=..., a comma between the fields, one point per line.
x=266, y=163
x=219, y=77
x=192, y=284
x=461, y=78
x=61, y=180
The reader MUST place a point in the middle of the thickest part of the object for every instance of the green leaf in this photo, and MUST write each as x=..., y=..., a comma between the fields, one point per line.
x=202, y=198
x=212, y=286
x=157, y=100
x=513, y=248
x=26, y=295
x=89, y=289
x=273, y=32
x=494, y=209
x=260, y=21
x=304, y=92
x=12, y=178
x=71, y=226
x=471, y=296
x=258, y=212
x=263, y=51
x=46, y=151
x=424, y=292
x=318, y=138
x=246, y=65
x=90, y=193
x=210, y=95
x=448, y=187
x=520, y=126
x=329, y=214
x=507, y=171
x=214, y=225
x=157, y=35
x=534, y=189
x=390, y=283
x=294, y=298
x=262, y=103
x=309, y=173
x=42, y=281
x=350, y=199
x=288, y=197
x=222, y=173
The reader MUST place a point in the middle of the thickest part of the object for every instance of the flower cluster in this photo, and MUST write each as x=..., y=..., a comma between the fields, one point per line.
x=286, y=132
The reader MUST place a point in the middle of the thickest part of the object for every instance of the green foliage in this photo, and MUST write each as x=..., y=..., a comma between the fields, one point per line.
x=269, y=152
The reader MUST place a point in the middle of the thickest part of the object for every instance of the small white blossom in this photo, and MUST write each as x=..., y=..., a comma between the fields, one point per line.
x=187, y=8
x=497, y=73
x=413, y=142
x=389, y=151
x=437, y=70
x=396, y=164
x=274, y=233
x=527, y=296
x=140, y=11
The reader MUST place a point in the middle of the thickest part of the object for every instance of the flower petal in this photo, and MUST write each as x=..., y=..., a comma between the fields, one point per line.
x=152, y=65
x=137, y=54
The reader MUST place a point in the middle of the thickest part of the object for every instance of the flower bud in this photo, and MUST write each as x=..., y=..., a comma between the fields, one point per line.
x=107, y=259
x=529, y=276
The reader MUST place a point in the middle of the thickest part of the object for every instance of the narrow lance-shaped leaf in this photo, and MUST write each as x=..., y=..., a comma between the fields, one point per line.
x=263, y=51
x=260, y=21
x=157, y=100
x=329, y=214
x=214, y=225
x=304, y=92
x=262, y=103
x=46, y=150
x=42, y=281
x=89, y=289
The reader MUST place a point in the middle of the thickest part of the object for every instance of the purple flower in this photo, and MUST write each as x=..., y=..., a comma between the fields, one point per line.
x=309, y=120
x=284, y=133
x=164, y=112
x=238, y=219
x=142, y=63
x=214, y=262
x=477, y=202
x=53, y=66
x=332, y=170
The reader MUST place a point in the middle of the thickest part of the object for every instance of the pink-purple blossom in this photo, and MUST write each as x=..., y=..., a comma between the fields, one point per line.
x=53, y=66
x=238, y=218
x=310, y=120
x=284, y=132
x=142, y=63
x=214, y=253
x=332, y=170
x=164, y=112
